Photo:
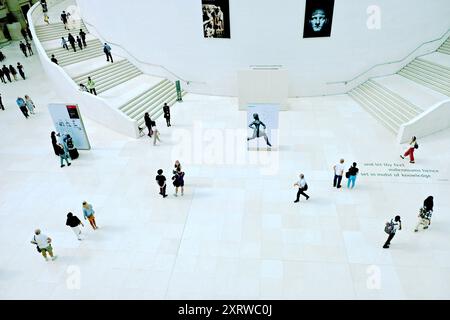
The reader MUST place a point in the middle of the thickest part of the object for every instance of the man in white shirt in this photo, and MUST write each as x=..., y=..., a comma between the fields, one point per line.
x=302, y=187
x=338, y=173
x=43, y=243
x=396, y=224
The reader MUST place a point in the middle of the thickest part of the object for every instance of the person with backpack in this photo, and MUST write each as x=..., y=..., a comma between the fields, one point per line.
x=302, y=187
x=73, y=152
x=43, y=244
x=62, y=155
x=410, y=152
x=74, y=223
x=425, y=214
x=391, y=228
x=88, y=213
x=107, y=50
x=351, y=175
x=178, y=181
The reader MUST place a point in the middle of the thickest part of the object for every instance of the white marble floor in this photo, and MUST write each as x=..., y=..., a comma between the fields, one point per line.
x=236, y=233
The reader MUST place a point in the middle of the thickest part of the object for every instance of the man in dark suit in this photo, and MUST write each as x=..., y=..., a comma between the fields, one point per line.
x=166, y=110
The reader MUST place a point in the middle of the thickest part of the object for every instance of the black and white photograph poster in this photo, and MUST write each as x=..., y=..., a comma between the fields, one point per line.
x=318, y=18
x=216, y=18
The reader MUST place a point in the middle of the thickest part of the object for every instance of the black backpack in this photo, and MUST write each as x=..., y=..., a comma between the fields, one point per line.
x=416, y=146
x=69, y=143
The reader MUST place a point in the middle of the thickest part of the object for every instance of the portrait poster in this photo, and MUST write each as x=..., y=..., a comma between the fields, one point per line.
x=318, y=18
x=216, y=18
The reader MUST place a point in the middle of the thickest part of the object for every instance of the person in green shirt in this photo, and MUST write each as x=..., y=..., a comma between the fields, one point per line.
x=91, y=86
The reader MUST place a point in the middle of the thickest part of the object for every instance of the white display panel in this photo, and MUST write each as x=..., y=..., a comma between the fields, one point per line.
x=267, y=130
x=263, y=86
x=67, y=120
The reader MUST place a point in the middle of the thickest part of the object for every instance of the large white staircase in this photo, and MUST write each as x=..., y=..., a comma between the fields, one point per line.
x=122, y=86
x=396, y=100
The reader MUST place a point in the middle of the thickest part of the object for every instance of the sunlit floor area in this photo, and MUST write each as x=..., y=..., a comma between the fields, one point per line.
x=236, y=233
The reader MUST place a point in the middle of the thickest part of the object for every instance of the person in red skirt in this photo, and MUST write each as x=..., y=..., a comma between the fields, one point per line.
x=410, y=152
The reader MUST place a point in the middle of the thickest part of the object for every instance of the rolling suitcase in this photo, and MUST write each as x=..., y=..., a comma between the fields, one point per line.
x=73, y=154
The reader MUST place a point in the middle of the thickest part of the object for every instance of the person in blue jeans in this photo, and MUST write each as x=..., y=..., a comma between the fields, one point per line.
x=62, y=155
x=351, y=173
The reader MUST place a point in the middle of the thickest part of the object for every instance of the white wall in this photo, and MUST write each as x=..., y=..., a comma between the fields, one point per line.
x=431, y=121
x=169, y=33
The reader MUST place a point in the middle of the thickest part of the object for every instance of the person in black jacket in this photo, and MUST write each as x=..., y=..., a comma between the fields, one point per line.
x=6, y=71
x=71, y=40
x=80, y=43
x=23, y=47
x=54, y=143
x=83, y=37
x=13, y=71
x=161, y=183
x=351, y=175
x=30, y=49
x=166, y=110
x=74, y=223
x=148, y=124
x=2, y=76
x=21, y=72
x=1, y=103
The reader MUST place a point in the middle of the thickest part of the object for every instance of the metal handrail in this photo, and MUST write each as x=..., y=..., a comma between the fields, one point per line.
x=388, y=63
x=140, y=61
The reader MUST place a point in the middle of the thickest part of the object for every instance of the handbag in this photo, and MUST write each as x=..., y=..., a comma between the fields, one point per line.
x=347, y=174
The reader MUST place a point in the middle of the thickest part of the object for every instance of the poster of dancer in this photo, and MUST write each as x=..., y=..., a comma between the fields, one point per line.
x=262, y=126
x=318, y=18
x=216, y=18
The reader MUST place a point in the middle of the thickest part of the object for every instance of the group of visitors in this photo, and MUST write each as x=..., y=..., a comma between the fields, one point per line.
x=151, y=124
x=26, y=106
x=26, y=49
x=44, y=243
x=177, y=180
x=80, y=41
x=10, y=73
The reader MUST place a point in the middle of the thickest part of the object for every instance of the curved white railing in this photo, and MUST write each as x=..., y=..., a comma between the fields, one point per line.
x=94, y=107
x=387, y=68
x=430, y=121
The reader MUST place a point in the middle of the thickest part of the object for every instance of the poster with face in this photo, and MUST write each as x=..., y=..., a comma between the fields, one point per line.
x=318, y=18
x=216, y=18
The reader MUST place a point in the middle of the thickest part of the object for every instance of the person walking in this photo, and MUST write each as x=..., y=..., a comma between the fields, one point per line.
x=80, y=43
x=176, y=166
x=64, y=43
x=161, y=180
x=13, y=72
x=46, y=19
x=54, y=143
x=107, y=50
x=6, y=71
x=425, y=214
x=88, y=213
x=178, y=181
x=71, y=40
x=155, y=133
x=83, y=37
x=2, y=107
x=63, y=155
x=44, y=244
x=391, y=228
x=24, y=34
x=30, y=49
x=21, y=72
x=148, y=124
x=338, y=172
x=410, y=152
x=91, y=86
x=302, y=187
x=166, y=110
x=23, y=47
x=64, y=19
x=351, y=175
x=74, y=223
x=30, y=104
x=2, y=76
x=2, y=56
x=54, y=60
x=23, y=106
x=44, y=5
